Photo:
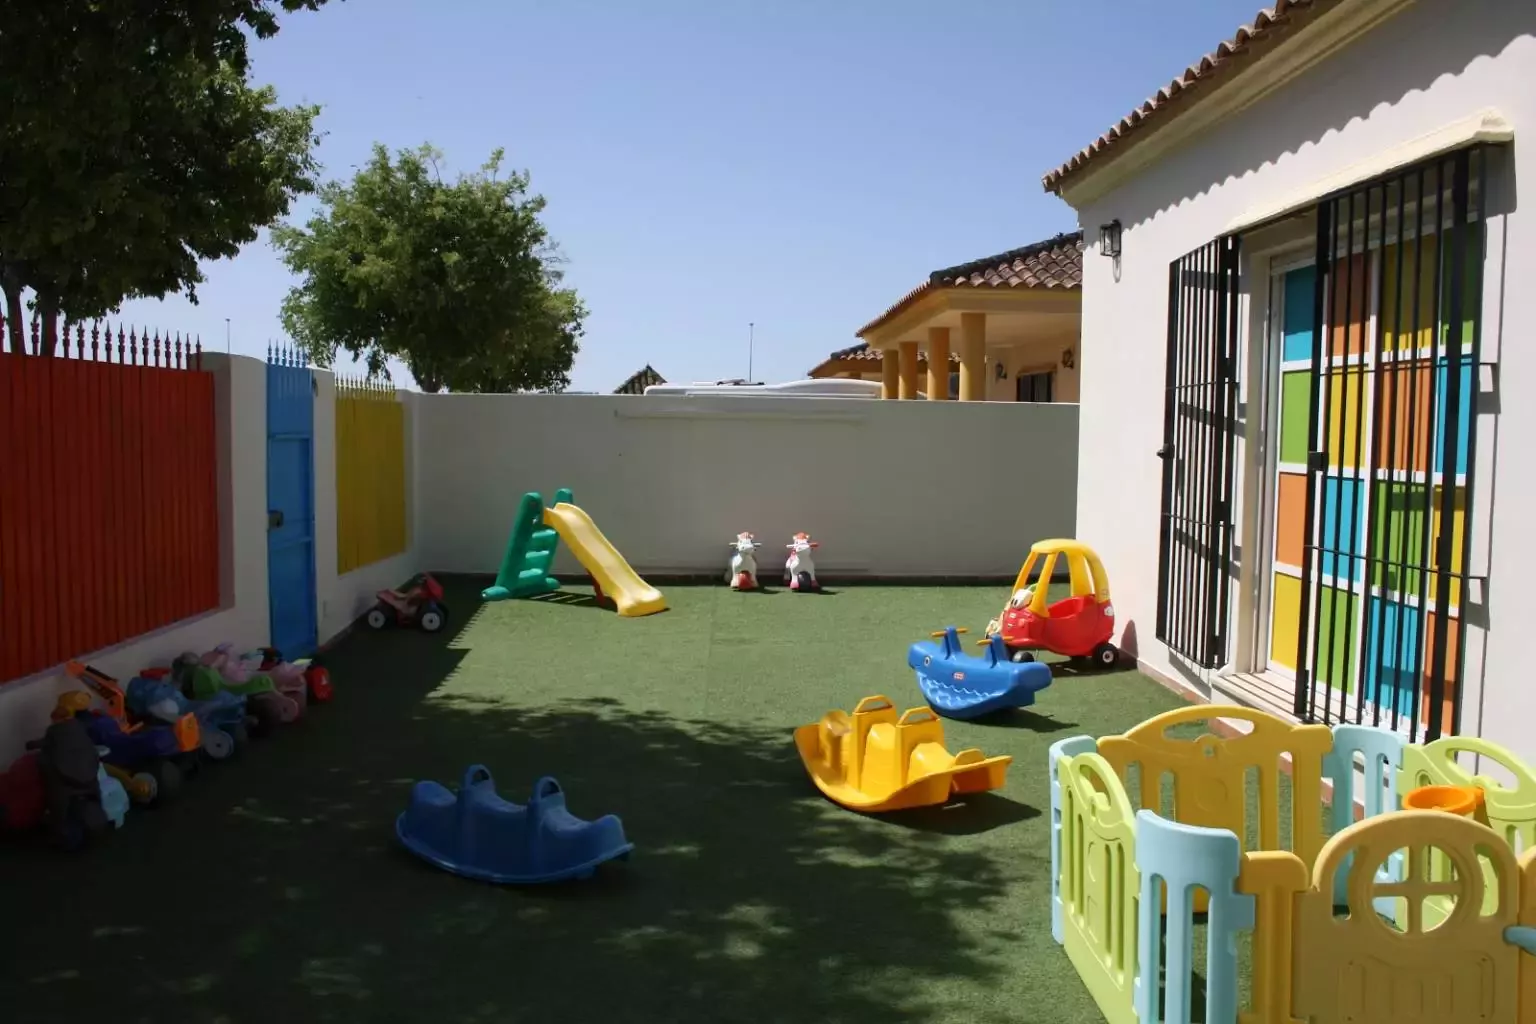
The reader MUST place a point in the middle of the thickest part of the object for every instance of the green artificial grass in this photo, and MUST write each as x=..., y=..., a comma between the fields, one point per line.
x=274, y=890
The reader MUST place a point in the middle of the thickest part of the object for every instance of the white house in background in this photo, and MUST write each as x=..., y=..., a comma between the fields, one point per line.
x=1309, y=334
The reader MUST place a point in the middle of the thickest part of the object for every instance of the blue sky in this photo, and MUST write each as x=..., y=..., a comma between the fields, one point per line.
x=793, y=163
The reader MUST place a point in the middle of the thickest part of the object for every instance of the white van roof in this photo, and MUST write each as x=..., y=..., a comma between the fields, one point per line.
x=825, y=387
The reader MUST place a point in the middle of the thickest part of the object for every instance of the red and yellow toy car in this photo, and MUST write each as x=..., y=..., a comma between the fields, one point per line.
x=1078, y=626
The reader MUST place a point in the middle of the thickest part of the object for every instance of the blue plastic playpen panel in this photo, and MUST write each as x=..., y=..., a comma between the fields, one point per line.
x=291, y=510
x=1296, y=329
x=1185, y=857
x=1381, y=756
x=1344, y=512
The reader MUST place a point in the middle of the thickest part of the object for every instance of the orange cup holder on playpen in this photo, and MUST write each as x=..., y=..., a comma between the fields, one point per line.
x=1467, y=801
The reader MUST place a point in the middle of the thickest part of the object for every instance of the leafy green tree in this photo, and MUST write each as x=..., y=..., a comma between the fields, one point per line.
x=133, y=147
x=460, y=281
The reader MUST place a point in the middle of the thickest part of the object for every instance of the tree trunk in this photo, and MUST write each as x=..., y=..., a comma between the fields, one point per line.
x=48, y=308
x=14, y=313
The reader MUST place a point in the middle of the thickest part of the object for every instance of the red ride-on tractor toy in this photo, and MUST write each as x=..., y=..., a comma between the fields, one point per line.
x=1078, y=626
x=418, y=603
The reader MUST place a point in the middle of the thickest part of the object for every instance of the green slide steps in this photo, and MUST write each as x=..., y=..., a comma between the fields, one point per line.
x=530, y=550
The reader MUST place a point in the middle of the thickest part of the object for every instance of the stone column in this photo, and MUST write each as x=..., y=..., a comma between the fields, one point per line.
x=909, y=369
x=938, y=364
x=973, y=357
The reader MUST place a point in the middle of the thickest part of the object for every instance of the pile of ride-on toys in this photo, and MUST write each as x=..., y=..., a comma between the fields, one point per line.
x=109, y=745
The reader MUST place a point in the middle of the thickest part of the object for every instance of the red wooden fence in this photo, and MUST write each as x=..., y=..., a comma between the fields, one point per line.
x=108, y=494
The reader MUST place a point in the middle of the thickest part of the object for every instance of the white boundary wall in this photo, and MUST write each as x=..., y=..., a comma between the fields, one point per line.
x=890, y=488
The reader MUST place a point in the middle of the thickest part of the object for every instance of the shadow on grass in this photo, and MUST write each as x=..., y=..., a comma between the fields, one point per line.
x=1024, y=718
x=979, y=812
x=274, y=889
x=573, y=599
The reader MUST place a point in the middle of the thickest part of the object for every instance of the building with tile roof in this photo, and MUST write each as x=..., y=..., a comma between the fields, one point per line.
x=1004, y=326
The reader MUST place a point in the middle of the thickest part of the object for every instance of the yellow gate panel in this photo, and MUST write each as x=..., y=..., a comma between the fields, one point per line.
x=1359, y=969
x=370, y=475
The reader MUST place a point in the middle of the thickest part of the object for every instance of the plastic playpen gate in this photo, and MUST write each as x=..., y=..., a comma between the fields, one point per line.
x=1449, y=956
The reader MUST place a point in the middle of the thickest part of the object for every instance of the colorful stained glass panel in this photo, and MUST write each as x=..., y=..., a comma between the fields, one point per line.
x=1296, y=329
x=1285, y=613
x=1290, y=519
x=1348, y=333
x=1343, y=528
x=1343, y=389
x=1295, y=402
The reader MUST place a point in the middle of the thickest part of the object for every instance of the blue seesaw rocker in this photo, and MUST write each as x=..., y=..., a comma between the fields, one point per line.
x=478, y=834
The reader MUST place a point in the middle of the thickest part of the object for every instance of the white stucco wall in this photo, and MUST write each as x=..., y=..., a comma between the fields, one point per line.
x=1437, y=62
x=906, y=488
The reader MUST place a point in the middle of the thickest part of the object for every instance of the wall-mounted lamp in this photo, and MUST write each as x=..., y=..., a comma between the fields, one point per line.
x=1002, y=372
x=1067, y=358
x=1109, y=239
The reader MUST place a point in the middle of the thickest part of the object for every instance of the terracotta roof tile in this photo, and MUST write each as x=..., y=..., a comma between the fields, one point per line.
x=862, y=353
x=1054, y=263
x=1270, y=26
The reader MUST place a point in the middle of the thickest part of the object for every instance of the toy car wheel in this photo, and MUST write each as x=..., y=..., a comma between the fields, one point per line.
x=1106, y=656
x=266, y=716
x=1020, y=657
x=167, y=781
x=377, y=617
x=431, y=619
x=218, y=744
x=144, y=787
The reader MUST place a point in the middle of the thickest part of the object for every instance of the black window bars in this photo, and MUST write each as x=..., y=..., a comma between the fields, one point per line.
x=1392, y=429
x=1199, y=417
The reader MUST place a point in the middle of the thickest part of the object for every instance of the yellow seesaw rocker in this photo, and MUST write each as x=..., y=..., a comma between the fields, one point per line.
x=874, y=761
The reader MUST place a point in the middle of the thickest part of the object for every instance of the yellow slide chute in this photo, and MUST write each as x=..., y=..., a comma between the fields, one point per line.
x=631, y=595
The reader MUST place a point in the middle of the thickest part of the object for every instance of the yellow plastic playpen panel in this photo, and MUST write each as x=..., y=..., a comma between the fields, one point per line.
x=370, y=478
x=1210, y=774
x=1272, y=878
x=1099, y=883
x=1359, y=969
x=1528, y=920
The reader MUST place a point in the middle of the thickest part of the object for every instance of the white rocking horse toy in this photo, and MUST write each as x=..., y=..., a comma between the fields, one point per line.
x=800, y=569
x=742, y=574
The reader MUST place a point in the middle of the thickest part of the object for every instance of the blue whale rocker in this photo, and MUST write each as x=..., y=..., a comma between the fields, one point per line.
x=957, y=685
x=478, y=834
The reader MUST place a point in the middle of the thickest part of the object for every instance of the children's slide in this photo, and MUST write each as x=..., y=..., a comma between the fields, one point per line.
x=614, y=576
x=531, y=548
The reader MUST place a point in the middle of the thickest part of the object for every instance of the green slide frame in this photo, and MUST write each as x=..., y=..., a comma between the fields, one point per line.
x=530, y=550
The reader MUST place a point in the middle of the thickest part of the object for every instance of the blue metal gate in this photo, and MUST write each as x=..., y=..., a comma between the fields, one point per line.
x=291, y=504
